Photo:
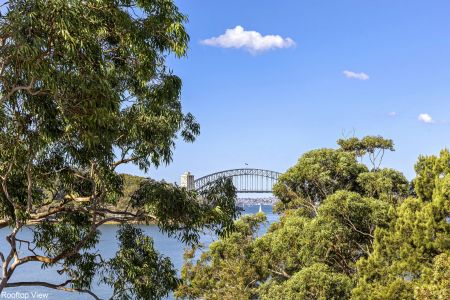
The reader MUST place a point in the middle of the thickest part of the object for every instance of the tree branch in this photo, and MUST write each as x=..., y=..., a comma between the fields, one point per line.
x=29, y=187
x=28, y=88
x=125, y=160
x=356, y=229
x=3, y=224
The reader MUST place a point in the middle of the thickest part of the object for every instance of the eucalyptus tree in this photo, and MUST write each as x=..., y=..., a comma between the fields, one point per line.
x=84, y=89
x=372, y=146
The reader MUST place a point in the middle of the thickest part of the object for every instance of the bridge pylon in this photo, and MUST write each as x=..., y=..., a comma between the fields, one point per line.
x=188, y=181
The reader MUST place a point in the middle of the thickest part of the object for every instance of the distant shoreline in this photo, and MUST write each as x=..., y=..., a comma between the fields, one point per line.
x=256, y=201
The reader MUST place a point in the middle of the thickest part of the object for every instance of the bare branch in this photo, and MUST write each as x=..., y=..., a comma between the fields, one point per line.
x=28, y=243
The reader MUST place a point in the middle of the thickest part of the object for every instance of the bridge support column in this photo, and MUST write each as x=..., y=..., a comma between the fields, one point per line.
x=187, y=181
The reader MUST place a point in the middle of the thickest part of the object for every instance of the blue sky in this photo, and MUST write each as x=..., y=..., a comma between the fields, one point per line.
x=266, y=108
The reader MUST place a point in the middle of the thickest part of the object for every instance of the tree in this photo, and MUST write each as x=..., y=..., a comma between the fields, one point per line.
x=411, y=256
x=84, y=89
x=314, y=282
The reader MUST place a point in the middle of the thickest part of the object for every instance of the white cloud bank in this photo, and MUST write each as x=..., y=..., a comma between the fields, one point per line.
x=354, y=75
x=426, y=118
x=251, y=41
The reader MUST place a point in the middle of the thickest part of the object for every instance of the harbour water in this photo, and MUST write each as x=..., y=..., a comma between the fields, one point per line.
x=107, y=246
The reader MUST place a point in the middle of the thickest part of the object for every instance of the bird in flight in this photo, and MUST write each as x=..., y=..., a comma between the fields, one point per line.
x=246, y=164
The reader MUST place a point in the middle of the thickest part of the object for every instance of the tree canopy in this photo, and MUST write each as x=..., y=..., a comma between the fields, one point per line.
x=411, y=258
x=84, y=88
x=372, y=146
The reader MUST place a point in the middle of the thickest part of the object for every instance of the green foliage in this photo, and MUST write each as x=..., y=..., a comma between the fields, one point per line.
x=408, y=255
x=435, y=282
x=279, y=252
x=430, y=172
x=386, y=184
x=339, y=235
x=318, y=174
x=351, y=220
x=316, y=282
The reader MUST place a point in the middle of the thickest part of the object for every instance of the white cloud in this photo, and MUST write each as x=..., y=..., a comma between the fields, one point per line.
x=251, y=41
x=426, y=118
x=392, y=114
x=354, y=75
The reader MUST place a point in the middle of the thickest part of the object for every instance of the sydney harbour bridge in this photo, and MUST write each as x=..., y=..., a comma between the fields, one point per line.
x=245, y=180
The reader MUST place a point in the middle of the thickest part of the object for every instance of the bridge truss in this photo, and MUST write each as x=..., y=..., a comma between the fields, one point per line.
x=245, y=180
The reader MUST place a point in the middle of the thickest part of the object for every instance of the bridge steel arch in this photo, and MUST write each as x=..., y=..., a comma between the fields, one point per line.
x=245, y=180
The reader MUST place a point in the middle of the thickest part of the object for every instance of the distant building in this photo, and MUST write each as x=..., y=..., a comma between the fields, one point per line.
x=187, y=181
